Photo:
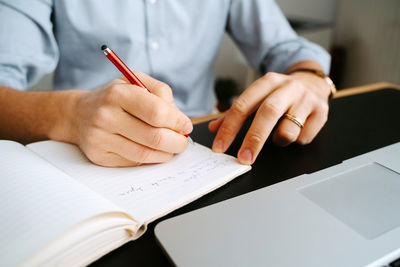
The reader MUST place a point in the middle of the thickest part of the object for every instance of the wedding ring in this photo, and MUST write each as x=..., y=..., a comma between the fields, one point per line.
x=294, y=119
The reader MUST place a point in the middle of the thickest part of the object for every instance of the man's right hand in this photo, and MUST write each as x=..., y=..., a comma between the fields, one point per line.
x=121, y=124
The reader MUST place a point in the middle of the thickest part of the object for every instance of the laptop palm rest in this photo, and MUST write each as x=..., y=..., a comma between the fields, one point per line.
x=367, y=198
x=345, y=215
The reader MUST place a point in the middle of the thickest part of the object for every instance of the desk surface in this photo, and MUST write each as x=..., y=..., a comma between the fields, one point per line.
x=357, y=124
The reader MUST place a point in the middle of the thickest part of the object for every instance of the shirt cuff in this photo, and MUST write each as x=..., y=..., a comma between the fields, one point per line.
x=285, y=58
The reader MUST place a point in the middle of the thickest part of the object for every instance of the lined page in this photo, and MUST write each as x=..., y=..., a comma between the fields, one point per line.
x=38, y=203
x=150, y=191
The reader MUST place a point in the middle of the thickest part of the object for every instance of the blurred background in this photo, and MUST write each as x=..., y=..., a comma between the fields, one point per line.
x=363, y=37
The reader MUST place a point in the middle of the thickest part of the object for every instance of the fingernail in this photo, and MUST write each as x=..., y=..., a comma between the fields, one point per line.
x=218, y=146
x=188, y=128
x=245, y=156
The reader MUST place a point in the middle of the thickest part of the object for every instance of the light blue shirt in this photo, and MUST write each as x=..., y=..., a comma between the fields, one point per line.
x=175, y=41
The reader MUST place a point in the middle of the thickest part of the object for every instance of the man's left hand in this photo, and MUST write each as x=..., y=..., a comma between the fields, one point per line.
x=301, y=94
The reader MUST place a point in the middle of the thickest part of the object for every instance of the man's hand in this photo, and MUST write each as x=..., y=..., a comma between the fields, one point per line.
x=121, y=124
x=301, y=94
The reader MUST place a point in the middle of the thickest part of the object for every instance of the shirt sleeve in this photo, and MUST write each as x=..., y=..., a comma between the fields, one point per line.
x=266, y=39
x=28, y=49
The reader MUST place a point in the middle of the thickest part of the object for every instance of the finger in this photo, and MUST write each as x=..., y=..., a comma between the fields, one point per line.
x=156, y=87
x=95, y=150
x=268, y=114
x=110, y=159
x=314, y=124
x=142, y=133
x=243, y=106
x=135, y=152
x=288, y=131
x=152, y=109
x=214, y=125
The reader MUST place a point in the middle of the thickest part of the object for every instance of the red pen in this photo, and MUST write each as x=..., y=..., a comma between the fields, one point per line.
x=132, y=78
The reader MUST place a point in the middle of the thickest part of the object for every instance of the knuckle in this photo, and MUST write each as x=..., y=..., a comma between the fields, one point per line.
x=102, y=117
x=180, y=124
x=240, y=106
x=113, y=94
x=255, y=138
x=91, y=138
x=144, y=155
x=295, y=84
x=271, y=76
x=164, y=88
x=91, y=143
x=273, y=107
x=306, y=100
x=226, y=130
x=324, y=107
x=156, y=139
x=157, y=115
x=299, y=90
x=309, y=97
x=180, y=120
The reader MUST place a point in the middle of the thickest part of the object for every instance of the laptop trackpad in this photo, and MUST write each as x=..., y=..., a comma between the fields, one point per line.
x=367, y=199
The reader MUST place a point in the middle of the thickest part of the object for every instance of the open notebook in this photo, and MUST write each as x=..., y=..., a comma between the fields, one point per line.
x=58, y=208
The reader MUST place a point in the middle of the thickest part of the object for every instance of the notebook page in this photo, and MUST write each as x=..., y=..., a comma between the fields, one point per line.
x=38, y=203
x=147, y=192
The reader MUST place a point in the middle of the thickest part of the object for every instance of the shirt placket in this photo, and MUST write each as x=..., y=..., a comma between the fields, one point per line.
x=153, y=36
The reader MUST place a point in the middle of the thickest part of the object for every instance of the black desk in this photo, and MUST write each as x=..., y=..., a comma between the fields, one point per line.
x=357, y=124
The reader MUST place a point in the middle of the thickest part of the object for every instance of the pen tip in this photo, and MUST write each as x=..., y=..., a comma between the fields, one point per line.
x=103, y=47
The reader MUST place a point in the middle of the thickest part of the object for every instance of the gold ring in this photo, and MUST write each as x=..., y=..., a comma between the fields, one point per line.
x=294, y=119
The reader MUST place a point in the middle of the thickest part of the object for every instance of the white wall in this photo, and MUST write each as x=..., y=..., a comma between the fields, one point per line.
x=319, y=10
x=369, y=30
x=46, y=83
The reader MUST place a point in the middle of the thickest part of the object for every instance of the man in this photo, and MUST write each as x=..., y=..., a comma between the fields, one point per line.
x=176, y=42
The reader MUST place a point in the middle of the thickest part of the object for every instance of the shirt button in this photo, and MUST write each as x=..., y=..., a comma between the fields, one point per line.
x=154, y=45
x=152, y=1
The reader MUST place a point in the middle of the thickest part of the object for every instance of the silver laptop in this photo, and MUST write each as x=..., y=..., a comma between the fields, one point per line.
x=345, y=215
